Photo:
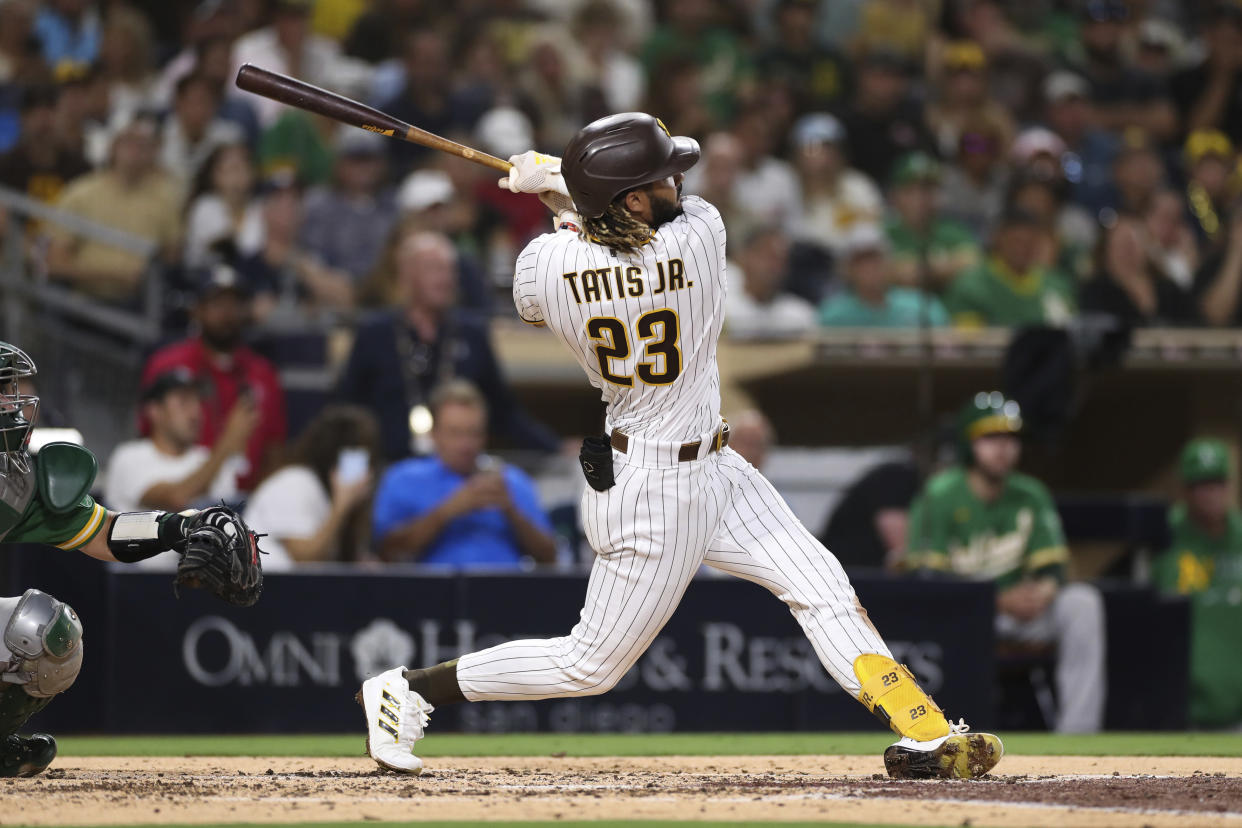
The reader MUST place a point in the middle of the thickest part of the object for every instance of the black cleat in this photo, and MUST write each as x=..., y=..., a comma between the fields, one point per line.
x=26, y=755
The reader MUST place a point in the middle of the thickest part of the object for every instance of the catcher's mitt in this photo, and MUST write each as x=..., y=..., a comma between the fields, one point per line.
x=222, y=557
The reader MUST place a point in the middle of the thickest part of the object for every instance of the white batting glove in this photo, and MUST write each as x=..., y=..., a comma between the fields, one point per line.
x=534, y=172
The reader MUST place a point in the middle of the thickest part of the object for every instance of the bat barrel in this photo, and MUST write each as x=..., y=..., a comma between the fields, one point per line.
x=311, y=98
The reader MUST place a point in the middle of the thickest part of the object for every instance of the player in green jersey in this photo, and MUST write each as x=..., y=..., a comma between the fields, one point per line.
x=983, y=520
x=1206, y=529
x=44, y=499
x=1204, y=561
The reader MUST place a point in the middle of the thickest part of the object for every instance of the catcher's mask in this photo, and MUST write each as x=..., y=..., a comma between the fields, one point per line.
x=989, y=412
x=18, y=411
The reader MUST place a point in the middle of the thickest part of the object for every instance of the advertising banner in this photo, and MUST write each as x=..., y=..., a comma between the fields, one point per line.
x=731, y=658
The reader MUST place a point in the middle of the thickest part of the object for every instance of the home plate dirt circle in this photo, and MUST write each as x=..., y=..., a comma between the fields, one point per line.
x=1069, y=790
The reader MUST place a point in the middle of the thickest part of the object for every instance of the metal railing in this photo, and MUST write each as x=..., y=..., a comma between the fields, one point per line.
x=89, y=352
x=24, y=289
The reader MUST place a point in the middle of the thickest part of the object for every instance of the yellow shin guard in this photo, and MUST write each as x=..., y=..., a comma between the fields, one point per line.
x=891, y=693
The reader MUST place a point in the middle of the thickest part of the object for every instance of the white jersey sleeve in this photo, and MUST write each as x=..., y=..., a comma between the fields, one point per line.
x=525, y=281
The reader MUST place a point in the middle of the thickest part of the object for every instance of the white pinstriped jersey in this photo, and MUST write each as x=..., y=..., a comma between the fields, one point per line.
x=643, y=325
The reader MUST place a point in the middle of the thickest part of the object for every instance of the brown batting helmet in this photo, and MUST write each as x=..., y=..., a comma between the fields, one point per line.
x=618, y=153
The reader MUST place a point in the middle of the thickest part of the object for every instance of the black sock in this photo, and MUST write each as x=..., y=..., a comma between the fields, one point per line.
x=438, y=685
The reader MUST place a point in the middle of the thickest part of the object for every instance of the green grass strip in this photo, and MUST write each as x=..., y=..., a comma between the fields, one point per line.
x=557, y=824
x=642, y=744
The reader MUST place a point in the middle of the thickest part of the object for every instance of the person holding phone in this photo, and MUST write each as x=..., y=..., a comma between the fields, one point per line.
x=312, y=508
x=460, y=507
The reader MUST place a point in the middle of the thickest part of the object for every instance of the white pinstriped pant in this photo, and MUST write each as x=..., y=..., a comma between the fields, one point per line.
x=651, y=532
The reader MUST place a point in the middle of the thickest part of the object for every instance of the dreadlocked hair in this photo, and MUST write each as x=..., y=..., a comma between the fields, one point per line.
x=617, y=228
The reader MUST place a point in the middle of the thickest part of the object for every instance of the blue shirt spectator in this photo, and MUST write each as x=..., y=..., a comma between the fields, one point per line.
x=459, y=507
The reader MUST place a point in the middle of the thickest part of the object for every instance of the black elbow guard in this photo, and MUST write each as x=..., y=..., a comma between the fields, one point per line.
x=136, y=536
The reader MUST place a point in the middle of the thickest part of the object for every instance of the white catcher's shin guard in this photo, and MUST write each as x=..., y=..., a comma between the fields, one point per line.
x=396, y=716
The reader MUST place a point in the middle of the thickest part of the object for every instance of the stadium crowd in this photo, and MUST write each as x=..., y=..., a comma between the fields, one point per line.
x=879, y=163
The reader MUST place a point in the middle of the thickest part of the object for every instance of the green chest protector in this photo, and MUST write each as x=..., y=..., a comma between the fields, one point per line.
x=65, y=473
x=57, y=479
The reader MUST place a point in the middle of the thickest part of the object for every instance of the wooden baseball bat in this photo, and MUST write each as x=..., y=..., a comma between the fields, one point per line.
x=312, y=98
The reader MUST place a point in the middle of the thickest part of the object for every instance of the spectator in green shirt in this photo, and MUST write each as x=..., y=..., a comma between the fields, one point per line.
x=1205, y=563
x=982, y=520
x=1010, y=288
x=924, y=243
x=870, y=300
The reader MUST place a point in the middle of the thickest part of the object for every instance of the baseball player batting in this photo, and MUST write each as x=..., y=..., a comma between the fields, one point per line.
x=633, y=282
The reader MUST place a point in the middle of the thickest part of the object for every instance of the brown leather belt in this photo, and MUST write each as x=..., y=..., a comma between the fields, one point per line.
x=688, y=451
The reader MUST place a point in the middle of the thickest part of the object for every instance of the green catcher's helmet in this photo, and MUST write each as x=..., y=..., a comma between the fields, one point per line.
x=15, y=426
x=987, y=413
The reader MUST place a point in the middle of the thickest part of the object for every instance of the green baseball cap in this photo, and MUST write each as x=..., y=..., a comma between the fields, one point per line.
x=915, y=166
x=1205, y=460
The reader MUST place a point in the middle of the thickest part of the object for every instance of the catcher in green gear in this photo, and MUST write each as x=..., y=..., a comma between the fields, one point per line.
x=983, y=520
x=44, y=499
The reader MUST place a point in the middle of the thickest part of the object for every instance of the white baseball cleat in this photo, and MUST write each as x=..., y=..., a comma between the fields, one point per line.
x=396, y=716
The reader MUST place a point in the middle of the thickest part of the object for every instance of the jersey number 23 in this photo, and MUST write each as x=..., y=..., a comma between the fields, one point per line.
x=661, y=361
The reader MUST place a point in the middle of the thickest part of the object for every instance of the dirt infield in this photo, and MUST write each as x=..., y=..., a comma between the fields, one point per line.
x=1070, y=791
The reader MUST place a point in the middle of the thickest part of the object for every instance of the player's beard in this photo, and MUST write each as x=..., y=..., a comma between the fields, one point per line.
x=664, y=210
